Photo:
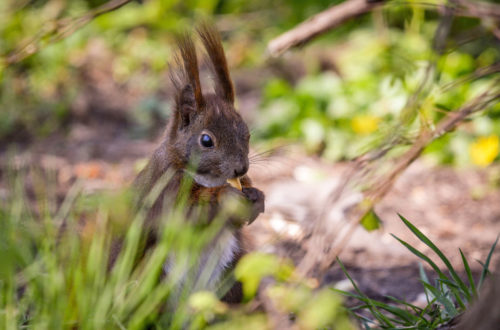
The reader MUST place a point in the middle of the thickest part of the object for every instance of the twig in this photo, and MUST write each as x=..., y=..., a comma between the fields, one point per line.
x=339, y=14
x=479, y=9
x=320, y=256
x=60, y=30
x=320, y=23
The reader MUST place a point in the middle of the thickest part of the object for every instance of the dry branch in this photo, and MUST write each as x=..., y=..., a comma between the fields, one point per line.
x=479, y=9
x=339, y=14
x=322, y=253
x=59, y=30
x=320, y=23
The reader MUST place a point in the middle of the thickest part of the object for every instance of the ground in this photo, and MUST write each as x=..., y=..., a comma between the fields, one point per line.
x=456, y=208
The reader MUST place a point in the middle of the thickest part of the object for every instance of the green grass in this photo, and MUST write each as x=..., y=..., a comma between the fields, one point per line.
x=447, y=298
x=55, y=269
x=56, y=276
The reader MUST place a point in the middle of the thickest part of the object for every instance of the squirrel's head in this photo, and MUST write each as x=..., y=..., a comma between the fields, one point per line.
x=205, y=128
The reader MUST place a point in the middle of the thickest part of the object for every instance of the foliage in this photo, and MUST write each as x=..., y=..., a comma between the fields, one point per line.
x=378, y=80
x=379, y=65
x=40, y=93
x=55, y=269
x=53, y=278
x=448, y=297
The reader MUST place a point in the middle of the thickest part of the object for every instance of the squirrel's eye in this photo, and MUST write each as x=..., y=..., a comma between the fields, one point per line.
x=206, y=141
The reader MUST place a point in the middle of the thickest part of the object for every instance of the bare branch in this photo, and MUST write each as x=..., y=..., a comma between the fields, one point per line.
x=322, y=253
x=60, y=30
x=339, y=14
x=320, y=23
x=478, y=9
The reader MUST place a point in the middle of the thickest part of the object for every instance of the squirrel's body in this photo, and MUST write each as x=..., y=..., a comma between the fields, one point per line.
x=204, y=129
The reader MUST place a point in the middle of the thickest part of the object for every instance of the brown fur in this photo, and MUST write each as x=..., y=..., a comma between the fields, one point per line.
x=195, y=114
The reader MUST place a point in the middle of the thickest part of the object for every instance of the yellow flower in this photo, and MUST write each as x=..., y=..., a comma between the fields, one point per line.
x=364, y=124
x=484, y=150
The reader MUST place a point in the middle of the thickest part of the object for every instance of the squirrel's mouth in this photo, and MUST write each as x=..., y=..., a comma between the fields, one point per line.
x=212, y=182
x=209, y=181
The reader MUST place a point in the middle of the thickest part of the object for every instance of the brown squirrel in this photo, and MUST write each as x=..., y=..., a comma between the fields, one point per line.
x=205, y=127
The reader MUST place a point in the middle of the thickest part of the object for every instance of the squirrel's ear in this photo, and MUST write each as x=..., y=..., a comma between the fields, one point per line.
x=186, y=79
x=186, y=105
x=213, y=45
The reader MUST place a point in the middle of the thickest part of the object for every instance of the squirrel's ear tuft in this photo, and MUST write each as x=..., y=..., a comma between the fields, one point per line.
x=185, y=75
x=213, y=45
x=186, y=105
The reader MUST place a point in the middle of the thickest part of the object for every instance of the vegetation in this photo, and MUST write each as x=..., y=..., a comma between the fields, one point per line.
x=379, y=82
x=56, y=276
x=446, y=299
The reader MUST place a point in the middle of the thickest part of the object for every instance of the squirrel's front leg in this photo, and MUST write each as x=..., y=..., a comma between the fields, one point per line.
x=252, y=202
x=254, y=196
x=256, y=199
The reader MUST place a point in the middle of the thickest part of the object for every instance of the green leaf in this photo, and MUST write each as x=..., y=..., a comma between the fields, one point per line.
x=254, y=266
x=445, y=260
x=487, y=264
x=421, y=256
x=469, y=274
x=450, y=286
x=373, y=309
x=371, y=221
x=424, y=278
x=320, y=311
x=446, y=302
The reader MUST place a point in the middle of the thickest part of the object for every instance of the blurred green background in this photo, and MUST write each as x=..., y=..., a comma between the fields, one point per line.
x=339, y=95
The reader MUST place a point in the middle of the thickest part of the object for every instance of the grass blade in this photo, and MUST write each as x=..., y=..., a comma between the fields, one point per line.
x=449, y=286
x=425, y=279
x=469, y=274
x=421, y=256
x=376, y=313
x=445, y=302
x=487, y=264
x=407, y=317
x=416, y=309
x=429, y=243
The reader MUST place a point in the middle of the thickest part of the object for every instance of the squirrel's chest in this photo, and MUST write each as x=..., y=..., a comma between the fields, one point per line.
x=212, y=263
x=223, y=252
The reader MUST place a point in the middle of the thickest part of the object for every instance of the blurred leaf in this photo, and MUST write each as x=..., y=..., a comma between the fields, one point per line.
x=313, y=132
x=290, y=299
x=243, y=322
x=324, y=309
x=371, y=221
x=206, y=304
x=255, y=266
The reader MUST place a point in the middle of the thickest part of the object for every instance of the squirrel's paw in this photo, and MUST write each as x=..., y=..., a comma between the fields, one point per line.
x=252, y=204
x=256, y=198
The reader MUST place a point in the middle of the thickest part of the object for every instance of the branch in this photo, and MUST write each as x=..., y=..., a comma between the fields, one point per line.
x=60, y=30
x=479, y=9
x=322, y=253
x=320, y=23
x=339, y=14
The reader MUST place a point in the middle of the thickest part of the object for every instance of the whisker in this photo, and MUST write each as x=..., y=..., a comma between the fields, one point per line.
x=264, y=159
x=270, y=151
x=265, y=166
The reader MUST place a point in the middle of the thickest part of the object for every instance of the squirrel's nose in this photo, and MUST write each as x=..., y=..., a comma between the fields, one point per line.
x=241, y=169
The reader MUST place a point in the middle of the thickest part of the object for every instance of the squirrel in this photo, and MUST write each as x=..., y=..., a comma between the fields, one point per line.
x=205, y=127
